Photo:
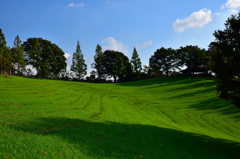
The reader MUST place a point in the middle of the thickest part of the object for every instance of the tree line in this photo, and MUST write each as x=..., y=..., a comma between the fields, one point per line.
x=222, y=58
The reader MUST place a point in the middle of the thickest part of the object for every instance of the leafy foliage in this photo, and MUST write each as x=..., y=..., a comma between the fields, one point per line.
x=116, y=65
x=163, y=60
x=5, y=63
x=46, y=57
x=225, y=59
x=192, y=57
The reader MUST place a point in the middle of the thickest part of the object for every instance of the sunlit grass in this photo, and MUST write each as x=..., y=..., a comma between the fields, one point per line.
x=176, y=117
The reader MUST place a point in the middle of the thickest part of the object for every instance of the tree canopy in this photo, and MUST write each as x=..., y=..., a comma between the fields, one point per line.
x=163, y=60
x=46, y=57
x=116, y=65
x=225, y=59
x=192, y=57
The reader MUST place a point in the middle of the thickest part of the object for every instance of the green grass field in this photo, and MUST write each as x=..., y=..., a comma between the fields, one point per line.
x=164, y=118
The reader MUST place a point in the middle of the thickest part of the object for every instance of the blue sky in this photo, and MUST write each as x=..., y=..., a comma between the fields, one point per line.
x=118, y=25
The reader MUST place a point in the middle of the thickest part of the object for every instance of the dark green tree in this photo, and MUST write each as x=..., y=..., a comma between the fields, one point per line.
x=192, y=57
x=5, y=56
x=136, y=64
x=116, y=65
x=163, y=61
x=4, y=50
x=5, y=64
x=17, y=54
x=225, y=59
x=78, y=63
x=33, y=55
x=98, y=60
x=47, y=58
x=3, y=42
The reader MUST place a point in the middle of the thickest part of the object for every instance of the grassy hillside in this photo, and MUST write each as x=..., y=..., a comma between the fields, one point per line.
x=176, y=117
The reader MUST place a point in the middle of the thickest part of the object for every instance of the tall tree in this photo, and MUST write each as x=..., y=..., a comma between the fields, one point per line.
x=78, y=63
x=5, y=56
x=3, y=42
x=136, y=64
x=163, y=60
x=116, y=65
x=46, y=57
x=17, y=54
x=98, y=60
x=33, y=55
x=225, y=59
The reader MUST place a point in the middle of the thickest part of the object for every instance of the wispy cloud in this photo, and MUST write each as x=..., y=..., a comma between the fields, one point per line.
x=231, y=4
x=234, y=11
x=76, y=5
x=144, y=45
x=196, y=19
x=113, y=44
x=107, y=2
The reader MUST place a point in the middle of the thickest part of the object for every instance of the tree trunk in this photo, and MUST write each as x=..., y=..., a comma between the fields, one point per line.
x=1, y=69
x=18, y=70
x=114, y=76
x=99, y=76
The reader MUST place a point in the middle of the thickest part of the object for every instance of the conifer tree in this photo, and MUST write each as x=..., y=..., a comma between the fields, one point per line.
x=17, y=54
x=2, y=40
x=78, y=63
x=5, y=58
x=98, y=59
x=136, y=63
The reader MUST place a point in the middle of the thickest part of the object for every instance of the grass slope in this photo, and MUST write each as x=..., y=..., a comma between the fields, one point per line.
x=176, y=117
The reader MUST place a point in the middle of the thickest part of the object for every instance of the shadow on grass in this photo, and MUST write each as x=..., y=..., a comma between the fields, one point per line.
x=195, y=93
x=162, y=80
x=185, y=83
x=116, y=140
x=216, y=103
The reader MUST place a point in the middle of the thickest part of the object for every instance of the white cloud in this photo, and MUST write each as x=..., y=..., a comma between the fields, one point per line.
x=222, y=6
x=216, y=14
x=196, y=19
x=69, y=61
x=114, y=45
x=144, y=45
x=231, y=4
x=107, y=2
x=67, y=55
x=76, y=5
x=234, y=11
